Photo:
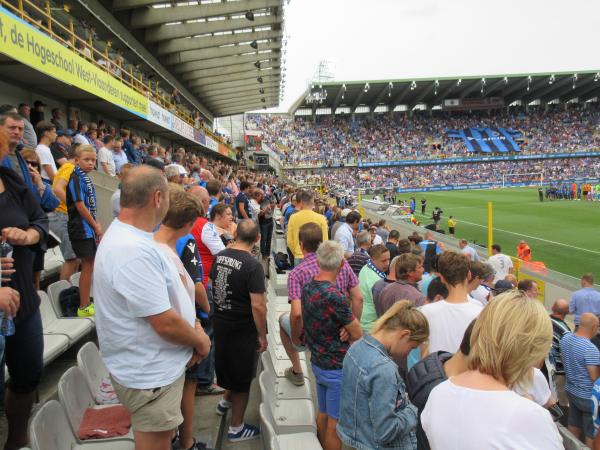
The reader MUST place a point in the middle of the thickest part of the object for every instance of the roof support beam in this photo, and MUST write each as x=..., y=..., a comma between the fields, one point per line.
x=147, y=17
x=243, y=108
x=338, y=98
x=224, y=62
x=168, y=32
x=225, y=93
x=470, y=88
x=398, y=99
x=585, y=86
x=533, y=86
x=495, y=86
x=236, y=68
x=549, y=92
x=244, y=98
x=511, y=89
x=357, y=100
x=421, y=96
x=384, y=90
x=195, y=43
x=235, y=84
x=252, y=75
x=444, y=93
x=237, y=94
x=256, y=101
x=219, y=52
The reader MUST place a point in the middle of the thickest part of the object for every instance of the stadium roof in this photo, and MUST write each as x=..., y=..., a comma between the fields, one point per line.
x=348, y=96
x=225, y=53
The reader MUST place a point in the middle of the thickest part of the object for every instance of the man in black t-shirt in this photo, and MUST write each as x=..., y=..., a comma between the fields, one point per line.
x=392, y=243
x=238, y=286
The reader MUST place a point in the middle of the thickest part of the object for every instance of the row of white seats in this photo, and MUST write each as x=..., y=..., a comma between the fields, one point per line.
x=287, y=411
x=55, y=425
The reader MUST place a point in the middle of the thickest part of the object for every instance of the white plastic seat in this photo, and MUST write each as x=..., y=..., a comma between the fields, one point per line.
x=298, y=441
x=278, y=351
x=54, y=346
x=50, y=430
x=288, y=416
x=54, y=291
x=75, y=279
x=73, y=328
x=282, y=388
x=91, y=365
x=53, y=262
x=278, y=366
x=76, y=397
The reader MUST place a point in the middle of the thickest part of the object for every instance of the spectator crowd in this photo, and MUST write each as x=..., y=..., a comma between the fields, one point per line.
x=411, y=345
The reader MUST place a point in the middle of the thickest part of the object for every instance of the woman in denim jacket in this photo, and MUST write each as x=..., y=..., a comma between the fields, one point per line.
x=375, y=411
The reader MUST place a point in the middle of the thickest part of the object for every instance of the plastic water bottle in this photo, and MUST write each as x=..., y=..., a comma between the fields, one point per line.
x=7, y=324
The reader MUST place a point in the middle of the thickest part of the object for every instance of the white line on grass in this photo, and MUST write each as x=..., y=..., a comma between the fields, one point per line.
x=525, y=235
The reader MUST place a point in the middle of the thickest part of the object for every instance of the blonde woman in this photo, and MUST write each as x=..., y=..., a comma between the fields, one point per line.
x=375, y=411
x=477, y=409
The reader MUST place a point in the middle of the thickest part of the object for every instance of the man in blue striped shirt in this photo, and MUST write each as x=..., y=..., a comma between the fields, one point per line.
x=581, y=360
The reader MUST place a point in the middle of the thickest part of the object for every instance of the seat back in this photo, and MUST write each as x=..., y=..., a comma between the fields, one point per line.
x=75, y=396
x=50, y=428
x=75, y=279
x=46, y=310
x=54, y=291
x=92, y=366
x=266, y=426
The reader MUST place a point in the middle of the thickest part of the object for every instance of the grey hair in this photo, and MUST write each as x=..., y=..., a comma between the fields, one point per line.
x=364, y=237
x=330, y=255
x=171, y=171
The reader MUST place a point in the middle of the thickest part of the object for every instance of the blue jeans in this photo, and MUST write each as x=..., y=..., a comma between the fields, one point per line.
x=204, y=372
x=266, y=233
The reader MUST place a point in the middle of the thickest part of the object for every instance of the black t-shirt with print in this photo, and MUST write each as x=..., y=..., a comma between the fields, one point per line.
x=235, y=274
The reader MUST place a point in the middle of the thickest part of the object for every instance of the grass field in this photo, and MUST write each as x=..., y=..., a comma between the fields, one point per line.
x=564, y=234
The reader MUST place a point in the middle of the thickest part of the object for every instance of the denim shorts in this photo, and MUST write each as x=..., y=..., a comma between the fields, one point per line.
x=329, y=390
x=284, y=323
x=580, y=414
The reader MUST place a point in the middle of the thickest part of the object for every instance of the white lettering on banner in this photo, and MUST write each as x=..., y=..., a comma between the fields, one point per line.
x=211, y=144
x=182, y=128
x=160, y=116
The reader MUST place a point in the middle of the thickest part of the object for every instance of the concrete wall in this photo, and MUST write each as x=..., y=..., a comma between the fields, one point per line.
x=105, y=187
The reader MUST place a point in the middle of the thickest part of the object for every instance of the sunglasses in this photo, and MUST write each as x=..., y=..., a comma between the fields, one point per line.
x=33, y=164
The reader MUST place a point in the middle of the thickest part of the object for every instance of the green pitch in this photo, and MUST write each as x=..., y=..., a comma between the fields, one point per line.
x=564, y=234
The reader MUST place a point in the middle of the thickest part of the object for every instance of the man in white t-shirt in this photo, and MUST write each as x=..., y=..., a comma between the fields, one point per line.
x=106, y=161
x=46, y=132
x=145, y=321
x=176, y=163
x=501, y=263
x=448, y=319
x=467, y=250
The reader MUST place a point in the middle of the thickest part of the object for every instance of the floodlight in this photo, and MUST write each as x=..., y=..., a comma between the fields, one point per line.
x=413, y=85
x=259, y=79
x=597, y=76
x=552, y=79
x=250, y=16
x=257, y=64
x=254, y=45
x=261, y=90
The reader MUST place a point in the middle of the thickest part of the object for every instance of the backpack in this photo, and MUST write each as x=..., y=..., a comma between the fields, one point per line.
x=282, y=263
x=69, y=301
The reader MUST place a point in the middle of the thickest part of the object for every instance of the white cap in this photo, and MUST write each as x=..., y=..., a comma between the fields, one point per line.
x=346, y=211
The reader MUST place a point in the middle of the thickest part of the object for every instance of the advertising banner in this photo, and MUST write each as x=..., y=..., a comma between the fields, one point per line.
x=462, y=187
x=210, y=143
x=24, y=43
x=199, y=137
x=183, y=128
x=159, y=115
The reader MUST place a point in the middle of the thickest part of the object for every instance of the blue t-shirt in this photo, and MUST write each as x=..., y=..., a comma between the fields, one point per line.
x=213, y=201
x=585, y=300
x=242, y=198
x=596, y=403
x=80, y=189
x=578, y=353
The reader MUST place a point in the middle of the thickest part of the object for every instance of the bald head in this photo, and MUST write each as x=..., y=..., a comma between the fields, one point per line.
x=139, y=185
x=201, y=194
x=560, y=308
x=588, y=325
x=247, y=232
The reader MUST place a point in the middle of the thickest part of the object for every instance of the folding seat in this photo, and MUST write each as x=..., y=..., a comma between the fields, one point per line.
x=50, y=430
x=73, y=328
x=75, y=396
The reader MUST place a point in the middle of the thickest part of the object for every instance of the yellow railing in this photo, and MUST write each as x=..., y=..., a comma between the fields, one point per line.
x=85, y=48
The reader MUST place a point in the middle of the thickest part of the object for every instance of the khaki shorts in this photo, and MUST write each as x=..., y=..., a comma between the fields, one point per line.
x=153, y=410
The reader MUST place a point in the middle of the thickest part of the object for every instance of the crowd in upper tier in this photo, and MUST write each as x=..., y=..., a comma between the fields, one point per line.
x=335, y=140
x=455, y=174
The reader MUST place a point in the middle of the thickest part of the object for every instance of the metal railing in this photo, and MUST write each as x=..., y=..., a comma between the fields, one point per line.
x=65, y=35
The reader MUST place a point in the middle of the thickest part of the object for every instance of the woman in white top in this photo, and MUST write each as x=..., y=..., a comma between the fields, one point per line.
x=477, y=409
x=183, y=211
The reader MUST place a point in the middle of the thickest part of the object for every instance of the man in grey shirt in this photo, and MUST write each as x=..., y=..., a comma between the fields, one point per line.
x=29, y=136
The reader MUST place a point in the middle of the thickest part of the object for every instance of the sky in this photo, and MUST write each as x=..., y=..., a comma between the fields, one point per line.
x=397, y=39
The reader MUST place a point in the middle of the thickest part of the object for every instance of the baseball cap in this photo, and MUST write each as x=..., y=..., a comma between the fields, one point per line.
x=346, y=211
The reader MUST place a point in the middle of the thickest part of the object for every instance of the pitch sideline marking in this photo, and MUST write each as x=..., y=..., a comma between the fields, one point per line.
x=527, y=236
